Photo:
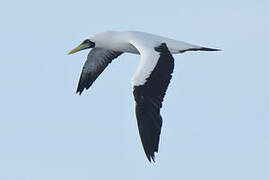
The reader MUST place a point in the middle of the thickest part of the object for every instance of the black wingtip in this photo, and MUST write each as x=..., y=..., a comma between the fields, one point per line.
x=151, y=158
x=151, y=154
x=79, y=91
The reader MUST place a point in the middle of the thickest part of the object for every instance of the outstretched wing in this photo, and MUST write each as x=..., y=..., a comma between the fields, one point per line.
x=97, y=61
x=150, y=83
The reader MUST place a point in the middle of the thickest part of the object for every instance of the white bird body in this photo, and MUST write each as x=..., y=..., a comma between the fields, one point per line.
x=150, y=80
x=123, y=41
x=142, y=43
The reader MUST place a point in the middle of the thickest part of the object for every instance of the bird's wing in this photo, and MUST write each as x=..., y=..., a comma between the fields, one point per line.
x=150, y=83
x=97, y=61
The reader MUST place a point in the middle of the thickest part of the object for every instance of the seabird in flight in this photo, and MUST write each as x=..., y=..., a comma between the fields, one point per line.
x=150, y=80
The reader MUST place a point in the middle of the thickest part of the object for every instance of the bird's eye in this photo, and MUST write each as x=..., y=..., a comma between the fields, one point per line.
x=86, y=41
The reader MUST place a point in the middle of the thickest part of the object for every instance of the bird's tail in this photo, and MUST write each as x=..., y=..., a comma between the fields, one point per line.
x=199, y=49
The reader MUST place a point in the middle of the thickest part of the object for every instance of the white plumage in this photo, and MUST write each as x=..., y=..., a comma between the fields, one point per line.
x=139, y=43
x=150, y=80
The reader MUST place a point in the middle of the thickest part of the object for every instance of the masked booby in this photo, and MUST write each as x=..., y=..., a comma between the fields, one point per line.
x=150, y=80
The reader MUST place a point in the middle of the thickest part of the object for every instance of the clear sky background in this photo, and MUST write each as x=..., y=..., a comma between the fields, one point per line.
x=216, y=111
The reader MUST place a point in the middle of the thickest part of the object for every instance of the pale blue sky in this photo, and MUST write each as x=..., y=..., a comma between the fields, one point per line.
x=216, y=111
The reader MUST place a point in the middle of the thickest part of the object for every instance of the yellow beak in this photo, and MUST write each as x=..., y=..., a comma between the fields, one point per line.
x=79, y=48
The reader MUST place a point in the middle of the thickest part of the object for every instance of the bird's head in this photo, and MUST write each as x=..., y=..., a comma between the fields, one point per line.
x=86, y=44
